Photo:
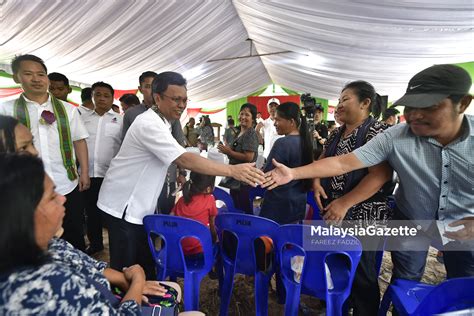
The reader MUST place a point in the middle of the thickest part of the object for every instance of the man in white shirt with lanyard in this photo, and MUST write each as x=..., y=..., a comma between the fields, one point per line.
x=105, y=136
x=59, y=136
x=136, y=175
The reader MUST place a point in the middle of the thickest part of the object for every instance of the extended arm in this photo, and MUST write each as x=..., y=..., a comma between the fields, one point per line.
x=324, y=168
x=243, y=172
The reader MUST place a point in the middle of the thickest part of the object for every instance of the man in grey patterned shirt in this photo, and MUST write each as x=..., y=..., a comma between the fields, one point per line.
x=433, y=154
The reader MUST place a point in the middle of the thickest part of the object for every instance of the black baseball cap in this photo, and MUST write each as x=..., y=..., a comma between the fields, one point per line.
x=430, y=86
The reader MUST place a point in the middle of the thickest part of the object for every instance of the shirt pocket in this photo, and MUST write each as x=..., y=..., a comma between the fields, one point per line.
x=112, y=129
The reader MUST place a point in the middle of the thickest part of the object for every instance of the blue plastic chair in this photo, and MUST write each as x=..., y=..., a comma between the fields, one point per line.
x=221, y=195
x=170, y=260
x=255, y=192
x=312, y=202
x=341, y=262
x=246, y=229
x=414, y=298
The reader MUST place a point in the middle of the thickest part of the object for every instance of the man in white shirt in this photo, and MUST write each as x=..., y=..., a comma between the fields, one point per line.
x=105, y=136
x=136, y=175
x=270, y=134
x=87, y=104
x=41, y=113
x=59, y=85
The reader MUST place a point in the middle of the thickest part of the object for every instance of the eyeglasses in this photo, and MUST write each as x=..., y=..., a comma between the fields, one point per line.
x=177, y=100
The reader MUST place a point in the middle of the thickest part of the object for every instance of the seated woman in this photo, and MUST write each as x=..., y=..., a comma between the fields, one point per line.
x=31, y=281
x=287, y=204
x=40, y=274
x=15, y=137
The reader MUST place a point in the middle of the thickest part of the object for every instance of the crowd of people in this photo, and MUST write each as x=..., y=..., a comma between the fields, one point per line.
x=64, y=168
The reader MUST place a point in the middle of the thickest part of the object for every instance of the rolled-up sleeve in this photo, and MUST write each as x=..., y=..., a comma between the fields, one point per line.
x=376, y=150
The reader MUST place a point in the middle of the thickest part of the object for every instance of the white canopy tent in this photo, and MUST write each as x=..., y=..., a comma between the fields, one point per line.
x=332, y=42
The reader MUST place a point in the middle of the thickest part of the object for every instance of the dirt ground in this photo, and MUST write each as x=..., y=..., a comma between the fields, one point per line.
x=242, y=302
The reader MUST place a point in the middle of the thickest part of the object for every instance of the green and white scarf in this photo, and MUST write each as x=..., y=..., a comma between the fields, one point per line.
x=65, y=141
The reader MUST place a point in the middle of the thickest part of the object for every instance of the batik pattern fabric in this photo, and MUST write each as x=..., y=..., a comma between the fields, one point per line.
x=367, y=212
x=61, y=286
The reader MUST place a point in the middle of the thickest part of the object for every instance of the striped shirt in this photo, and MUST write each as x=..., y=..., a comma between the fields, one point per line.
x=436, y=181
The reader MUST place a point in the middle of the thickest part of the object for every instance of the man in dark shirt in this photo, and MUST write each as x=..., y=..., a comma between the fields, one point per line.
x=320, y=133
x=145, y=81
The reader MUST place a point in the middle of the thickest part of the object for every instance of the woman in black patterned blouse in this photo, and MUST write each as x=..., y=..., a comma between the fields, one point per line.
x=356, y=197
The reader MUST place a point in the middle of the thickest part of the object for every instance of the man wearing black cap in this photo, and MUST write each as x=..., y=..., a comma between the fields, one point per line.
x=433, y=154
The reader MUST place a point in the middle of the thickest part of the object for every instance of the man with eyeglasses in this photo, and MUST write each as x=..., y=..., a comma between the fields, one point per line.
x=165, y=200
x=136, y=175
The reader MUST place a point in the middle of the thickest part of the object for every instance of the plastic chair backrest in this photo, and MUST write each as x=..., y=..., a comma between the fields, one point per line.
x=246, y=228
x=255, y=192
x=342, y=263
x=169, y=259
x=221, y=195
x=312, y=202
x=449, y=296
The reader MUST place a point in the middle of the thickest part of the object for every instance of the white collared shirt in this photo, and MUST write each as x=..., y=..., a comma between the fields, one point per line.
x=136, y=175
x=82, y=109
x=46, y=139
x=105, y=137
x=270, y=135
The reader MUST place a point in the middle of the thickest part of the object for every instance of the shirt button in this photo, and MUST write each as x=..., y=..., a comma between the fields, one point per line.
x=443, y=195
x=441, y=209
x=445, y=182
x=446, y=166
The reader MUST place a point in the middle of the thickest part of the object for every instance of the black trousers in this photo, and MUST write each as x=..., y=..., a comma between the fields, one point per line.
x=365, y=293
x=128, y=245
x=94, y=215
x=166, y=200
x=73, y=222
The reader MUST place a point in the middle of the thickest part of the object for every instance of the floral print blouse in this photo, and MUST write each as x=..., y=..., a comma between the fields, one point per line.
x=61, y=286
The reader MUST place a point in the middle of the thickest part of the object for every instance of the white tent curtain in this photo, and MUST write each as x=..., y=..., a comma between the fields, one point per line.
x=383, y=42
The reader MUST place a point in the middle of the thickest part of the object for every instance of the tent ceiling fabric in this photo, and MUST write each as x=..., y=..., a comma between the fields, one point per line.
x=383, y=42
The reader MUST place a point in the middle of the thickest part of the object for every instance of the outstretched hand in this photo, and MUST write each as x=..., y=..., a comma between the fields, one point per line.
x=246, y=172
x=278, y=176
